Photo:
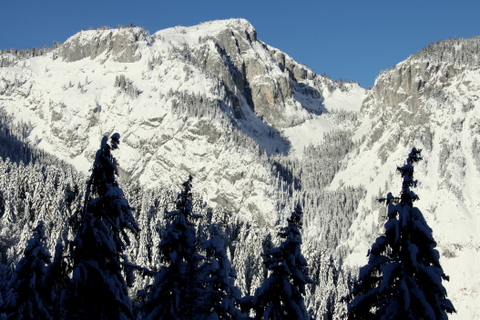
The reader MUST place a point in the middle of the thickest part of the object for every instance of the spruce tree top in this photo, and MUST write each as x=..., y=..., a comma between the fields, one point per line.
x=403, y=277
x=101, y=272
x=27, y=297
x=104, y=166
x=281, y=294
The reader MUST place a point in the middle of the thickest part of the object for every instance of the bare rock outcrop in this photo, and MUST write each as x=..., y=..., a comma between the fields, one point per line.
x=121, y=44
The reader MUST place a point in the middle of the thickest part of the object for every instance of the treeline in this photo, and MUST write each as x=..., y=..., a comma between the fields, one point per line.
x=9, y=57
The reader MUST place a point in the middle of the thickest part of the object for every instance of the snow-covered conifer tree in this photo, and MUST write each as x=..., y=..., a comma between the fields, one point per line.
x=403, y=277
x=281, y=295
x=27, y=297
x=98, y=288
x=57, y=282
x=222, y=296
x=177, y=291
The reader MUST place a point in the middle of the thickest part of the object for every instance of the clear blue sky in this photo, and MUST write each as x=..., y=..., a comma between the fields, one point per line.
x=348, y=39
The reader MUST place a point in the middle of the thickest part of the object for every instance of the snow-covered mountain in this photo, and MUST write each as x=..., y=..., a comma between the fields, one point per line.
x=431, y=101
x=208, y=100
x=260, y=131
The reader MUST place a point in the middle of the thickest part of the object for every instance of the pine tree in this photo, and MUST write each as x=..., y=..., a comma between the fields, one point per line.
x=27, y=297
x=403, y=277
x=222, y=296
x=98, y=288
x=178, y=287
x=281, y=295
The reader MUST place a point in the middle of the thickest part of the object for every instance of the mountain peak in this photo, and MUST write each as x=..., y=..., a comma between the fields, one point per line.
x=233, y=23
x=211, y=29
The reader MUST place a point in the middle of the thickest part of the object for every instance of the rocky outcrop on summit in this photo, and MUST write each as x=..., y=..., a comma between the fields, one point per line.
x=255, y=74
x=437, y=86
x=120, y=43
x=424, y=75
x=459, y=53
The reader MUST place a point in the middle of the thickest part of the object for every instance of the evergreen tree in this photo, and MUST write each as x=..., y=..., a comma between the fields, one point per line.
x=98, y=288
x=177, y=292
x=222, y=296
x=57, y=282
x=281, y=295
x=27, y=297
x=403, y=277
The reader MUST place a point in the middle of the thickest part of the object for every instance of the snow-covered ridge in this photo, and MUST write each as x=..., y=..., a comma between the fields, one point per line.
x=425, y=74
x=122, y=43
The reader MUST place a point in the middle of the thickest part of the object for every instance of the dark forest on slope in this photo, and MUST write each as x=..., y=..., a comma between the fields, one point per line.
x=35, y=186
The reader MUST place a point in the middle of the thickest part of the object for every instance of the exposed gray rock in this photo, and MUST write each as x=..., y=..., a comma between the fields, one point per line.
x=121, y=44
x=423, y=75
x=251, y=71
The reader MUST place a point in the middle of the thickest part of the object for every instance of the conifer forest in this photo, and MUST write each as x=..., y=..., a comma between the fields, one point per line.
x=182, y=262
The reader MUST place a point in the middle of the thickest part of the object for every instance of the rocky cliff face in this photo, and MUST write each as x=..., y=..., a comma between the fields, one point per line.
x=425, y=75
x=255, y=74
x=264, y=77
